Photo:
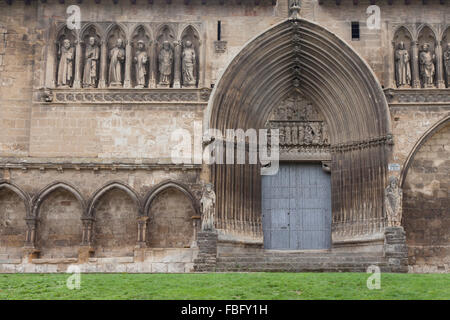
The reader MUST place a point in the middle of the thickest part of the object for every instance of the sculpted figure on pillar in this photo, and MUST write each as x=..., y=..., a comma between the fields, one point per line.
x=208, y=203
x=447, y=64
x=393, y=196
x=65, y=67
x=141, y=61
x=117, y=58
x=90, y=74
x=402, y=66
x=427, y=67
x=165, y=61
x=188, y=65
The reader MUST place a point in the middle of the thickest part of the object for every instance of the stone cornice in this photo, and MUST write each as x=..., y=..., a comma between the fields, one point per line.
x=61, y=164
x=121, y=95
x=417, y=96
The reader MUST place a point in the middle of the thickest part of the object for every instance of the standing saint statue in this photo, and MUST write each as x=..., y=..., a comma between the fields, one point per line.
x=91, y=64
x=447, y=64
x=65, y=67
x=141, y=61
x=208, y=204
x=427, y=68
x=188, y=65
x=393, y=196
x=402, y=66
x=165, y=61
x=117, y=57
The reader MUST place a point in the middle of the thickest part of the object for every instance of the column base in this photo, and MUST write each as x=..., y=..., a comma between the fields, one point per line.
x=30, y=253
x=84, y=253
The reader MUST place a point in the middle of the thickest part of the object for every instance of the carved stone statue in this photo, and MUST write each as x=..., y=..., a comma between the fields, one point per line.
x=308, y=134
x=427, y=68
x=165, y=61
x=447, y=64
x=141, y=61
x=188, y=65
x=65, y=67
x=393, y=202
x=117, y=57
x=208, y=203
x=91, y=59
x=294, y=9
x=402, y=66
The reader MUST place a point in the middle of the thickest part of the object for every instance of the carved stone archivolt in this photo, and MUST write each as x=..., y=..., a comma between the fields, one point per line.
x=144, y=55
x=301, y=126
x=421, y=56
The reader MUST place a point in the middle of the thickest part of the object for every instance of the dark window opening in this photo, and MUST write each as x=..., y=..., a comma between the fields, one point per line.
x=355, y=30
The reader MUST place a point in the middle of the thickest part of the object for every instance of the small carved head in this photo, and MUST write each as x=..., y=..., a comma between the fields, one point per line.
x=119, y=43
x=393, y=182
x=91, y=41
x=141, y=44
x=188, y=44
x=401, y=45
x=66, y=43
x=426, y=47
x=166, y=45
x=208, y=187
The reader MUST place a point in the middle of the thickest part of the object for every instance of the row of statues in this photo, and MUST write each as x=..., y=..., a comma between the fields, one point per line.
x=117, y=58
x=303, y=133
x=427, y=66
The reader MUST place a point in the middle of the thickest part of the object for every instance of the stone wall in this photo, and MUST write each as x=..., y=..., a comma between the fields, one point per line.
x=426, y=204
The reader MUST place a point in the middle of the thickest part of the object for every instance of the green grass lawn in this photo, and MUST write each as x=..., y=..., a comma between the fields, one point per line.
x=225, y=286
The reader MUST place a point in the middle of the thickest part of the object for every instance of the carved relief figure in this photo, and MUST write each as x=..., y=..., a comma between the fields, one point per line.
x=402, y=66
x=427, y=68
x=141, y=61
x=65, y=67
x=208, y=202
x=91, y=64
x=309, y=134
x=165, y=61
x=117, y=57
x=447, y=64
x=188, y=65
x=393, y=202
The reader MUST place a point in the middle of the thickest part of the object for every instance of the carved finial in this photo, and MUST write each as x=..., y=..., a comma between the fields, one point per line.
x=294, y=9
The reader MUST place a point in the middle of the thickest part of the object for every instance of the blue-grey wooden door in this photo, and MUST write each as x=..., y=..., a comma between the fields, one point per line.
x=296, y=208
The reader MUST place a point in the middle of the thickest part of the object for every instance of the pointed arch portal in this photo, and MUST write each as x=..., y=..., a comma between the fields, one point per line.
x=300, y=55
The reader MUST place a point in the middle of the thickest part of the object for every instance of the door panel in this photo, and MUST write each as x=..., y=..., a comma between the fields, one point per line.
x=296, y=205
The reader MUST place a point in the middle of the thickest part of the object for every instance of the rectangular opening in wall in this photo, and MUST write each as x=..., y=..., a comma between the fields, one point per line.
x=355, y=31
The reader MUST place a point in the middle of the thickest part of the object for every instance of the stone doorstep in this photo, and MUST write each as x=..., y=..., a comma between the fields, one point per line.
x=54, y=260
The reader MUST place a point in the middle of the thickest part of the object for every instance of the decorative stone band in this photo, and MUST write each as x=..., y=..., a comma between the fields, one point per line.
x=417, y=96
x=90, y=164
x=357, y=145
x=108, y=96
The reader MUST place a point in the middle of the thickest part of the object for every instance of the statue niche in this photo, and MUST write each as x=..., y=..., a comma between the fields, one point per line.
x=116, y=55
x=208, y=202
x=141, y=59
x=189, y=57
x=165, y=57
x=446, y=56
x=66, y=58
x=393, y=196
x=427, y=58
x=402, y=58
x=91, y=59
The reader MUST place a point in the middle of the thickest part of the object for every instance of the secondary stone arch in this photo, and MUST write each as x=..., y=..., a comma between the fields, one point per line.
x=425, y=137
x=22, y=194
x=301, y=55
x=110, y=186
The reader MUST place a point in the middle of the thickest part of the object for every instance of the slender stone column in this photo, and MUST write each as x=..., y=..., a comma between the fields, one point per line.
x=392, y=80
x=128, y=60
x=87, y=231
x=142, y=231
x=177, y=64
x=52, y=61
x=439, y=66
x=103, y=57
x=153, y=64
x=415, y=65
x=30, y=238
x=77, y=79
